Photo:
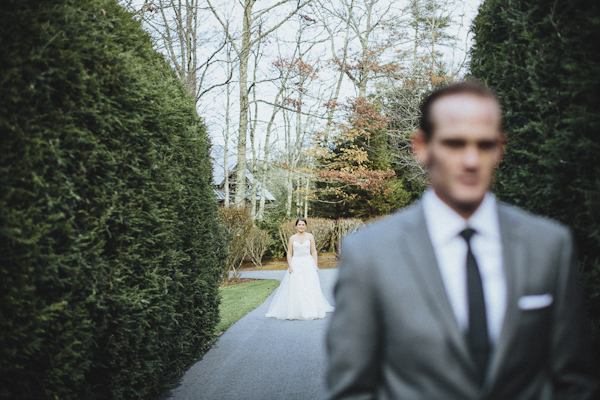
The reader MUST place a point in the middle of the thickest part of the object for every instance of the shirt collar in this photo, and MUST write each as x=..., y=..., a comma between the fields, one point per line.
x=444, y=224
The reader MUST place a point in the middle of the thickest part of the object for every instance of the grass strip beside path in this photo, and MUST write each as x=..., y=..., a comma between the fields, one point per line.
x=239, y=300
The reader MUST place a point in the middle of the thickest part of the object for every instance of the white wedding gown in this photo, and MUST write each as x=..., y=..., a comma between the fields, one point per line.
x=299, y=295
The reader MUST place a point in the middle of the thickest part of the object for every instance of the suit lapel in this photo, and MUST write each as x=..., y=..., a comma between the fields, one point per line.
x=423, y=266
x=513, y=261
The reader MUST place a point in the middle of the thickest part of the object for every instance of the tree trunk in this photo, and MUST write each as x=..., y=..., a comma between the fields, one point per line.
x=289, y=176
x=290, y=193
x=306, y=197
x=226, y=146
x=260, y=215
x=240, y=181
x=252, y=139
x=298, y=195
x=265, y=163
x=366, y=57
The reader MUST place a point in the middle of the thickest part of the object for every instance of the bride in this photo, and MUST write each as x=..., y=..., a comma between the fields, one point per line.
x=299, y=296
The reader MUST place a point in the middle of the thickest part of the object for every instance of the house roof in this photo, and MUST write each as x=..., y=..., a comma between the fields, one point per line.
x=219, y=172
x=216, y=157
x=220, y=195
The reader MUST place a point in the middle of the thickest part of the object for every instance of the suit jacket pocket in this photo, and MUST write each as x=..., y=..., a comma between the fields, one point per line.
x=535, y=301
x=532, y=332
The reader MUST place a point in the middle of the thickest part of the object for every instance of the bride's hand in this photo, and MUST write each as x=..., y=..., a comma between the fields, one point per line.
x=290, y=270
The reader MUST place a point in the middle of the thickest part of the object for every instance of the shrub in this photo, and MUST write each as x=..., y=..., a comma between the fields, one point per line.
x=257, y=243
x=110, y=250
x=286, y=230
x=345, y=226
x=322, y=229
x=542, y=59
x=238, y=224
x=271, y=224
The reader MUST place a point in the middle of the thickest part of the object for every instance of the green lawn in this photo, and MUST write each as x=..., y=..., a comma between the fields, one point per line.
x=239, y=300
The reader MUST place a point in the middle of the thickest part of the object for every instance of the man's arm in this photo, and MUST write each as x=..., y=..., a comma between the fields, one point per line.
x=353, y=338
x=572, y=365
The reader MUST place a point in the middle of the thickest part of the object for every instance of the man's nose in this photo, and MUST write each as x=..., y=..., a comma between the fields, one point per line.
x=471, y=156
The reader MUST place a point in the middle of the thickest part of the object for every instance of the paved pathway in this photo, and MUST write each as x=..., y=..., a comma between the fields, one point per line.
x=262, y=358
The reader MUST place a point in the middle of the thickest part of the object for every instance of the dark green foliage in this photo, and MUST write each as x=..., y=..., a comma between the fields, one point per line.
x=363, y=204
x=542, y=58
x=270, y=224
x=109, y=248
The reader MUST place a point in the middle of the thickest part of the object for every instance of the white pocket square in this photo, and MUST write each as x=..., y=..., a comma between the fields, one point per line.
x=535, y=301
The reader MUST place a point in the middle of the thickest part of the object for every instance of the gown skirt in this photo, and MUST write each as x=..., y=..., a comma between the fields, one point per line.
x=299, y=295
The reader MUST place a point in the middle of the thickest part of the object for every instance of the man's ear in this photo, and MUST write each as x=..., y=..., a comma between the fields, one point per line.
x=503, y=144
x=419, y=146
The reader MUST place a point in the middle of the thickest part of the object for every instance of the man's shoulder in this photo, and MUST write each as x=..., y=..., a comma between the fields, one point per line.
x=395, y=222
x=374, y=239
x=527, y=220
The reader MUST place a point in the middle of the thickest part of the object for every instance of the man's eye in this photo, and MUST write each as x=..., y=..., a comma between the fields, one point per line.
x=487, y=144
x=454, y=143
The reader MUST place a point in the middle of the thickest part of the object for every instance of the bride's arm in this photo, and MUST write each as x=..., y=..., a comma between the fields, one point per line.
x=313, y=251
x=290, y=253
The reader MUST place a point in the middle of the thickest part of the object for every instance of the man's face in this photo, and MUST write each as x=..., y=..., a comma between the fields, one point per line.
x=464, y=149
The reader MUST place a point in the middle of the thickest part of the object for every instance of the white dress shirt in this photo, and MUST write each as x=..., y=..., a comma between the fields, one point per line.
x=444, y=226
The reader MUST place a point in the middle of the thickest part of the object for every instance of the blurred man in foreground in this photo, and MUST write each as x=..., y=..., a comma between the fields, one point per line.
x=459, y=296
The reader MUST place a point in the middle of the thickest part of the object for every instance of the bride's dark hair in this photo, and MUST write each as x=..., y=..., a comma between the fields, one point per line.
x=301, y=219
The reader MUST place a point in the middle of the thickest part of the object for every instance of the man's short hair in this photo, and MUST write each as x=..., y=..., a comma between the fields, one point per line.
x=470, y=87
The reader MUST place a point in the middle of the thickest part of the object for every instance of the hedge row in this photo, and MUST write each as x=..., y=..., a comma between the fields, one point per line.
x=542, y=58
x=110, y=249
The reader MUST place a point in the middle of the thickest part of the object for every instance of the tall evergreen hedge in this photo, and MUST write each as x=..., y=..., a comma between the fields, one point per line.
x=542, y=58
x=110, y=249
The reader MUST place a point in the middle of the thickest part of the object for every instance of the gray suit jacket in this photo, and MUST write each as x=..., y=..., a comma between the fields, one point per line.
x=393, y=334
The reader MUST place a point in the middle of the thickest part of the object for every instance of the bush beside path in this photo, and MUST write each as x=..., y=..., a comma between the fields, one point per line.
x=110, y=247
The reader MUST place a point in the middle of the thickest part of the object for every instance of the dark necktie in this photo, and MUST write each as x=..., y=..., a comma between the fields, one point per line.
x=477, y=335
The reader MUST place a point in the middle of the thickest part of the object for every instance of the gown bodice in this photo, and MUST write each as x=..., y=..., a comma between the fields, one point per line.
x=301, y=249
